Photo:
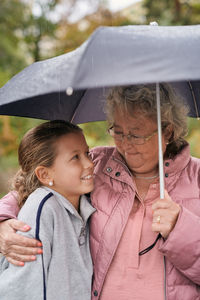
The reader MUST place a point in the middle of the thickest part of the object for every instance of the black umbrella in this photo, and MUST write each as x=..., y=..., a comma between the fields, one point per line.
x=73, y=86
x=111, y=56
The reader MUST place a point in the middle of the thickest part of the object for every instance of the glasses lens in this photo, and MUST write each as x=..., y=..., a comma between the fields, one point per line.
x=137, y=141
x=116, y=135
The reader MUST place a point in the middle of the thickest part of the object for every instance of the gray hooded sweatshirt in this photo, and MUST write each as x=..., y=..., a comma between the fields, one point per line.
x=64, y=271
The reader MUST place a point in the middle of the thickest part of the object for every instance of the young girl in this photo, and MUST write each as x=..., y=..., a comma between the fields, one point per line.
x=56, y=172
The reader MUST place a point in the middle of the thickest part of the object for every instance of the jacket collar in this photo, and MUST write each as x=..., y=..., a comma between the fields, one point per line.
x=116, y=166
x=178, y=163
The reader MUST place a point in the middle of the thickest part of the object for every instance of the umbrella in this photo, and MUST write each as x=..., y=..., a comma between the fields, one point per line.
x=111, y=56
x=73, y=86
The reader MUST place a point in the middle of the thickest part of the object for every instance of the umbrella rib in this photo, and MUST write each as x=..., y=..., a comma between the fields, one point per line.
x=91, y=40
x=75, y=110
x=194, y=100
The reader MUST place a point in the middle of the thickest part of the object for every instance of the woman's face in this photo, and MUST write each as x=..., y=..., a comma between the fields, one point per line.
x=141, y=159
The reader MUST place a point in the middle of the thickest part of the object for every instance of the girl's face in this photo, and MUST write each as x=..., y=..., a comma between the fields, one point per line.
x=72, y=171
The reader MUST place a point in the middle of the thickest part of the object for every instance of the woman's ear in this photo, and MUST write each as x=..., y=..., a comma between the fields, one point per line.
x=43, y=174
x=168, y=133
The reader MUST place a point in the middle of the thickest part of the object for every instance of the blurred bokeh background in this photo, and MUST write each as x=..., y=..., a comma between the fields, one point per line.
x=32, y=30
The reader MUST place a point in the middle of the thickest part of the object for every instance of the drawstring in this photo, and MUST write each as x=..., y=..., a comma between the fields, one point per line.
x=37, y=232
x=151, y=246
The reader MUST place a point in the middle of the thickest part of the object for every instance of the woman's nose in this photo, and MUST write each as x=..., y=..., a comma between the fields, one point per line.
x=126, y=143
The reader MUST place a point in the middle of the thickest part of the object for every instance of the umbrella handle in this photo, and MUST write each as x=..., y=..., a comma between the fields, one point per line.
x=160, y=152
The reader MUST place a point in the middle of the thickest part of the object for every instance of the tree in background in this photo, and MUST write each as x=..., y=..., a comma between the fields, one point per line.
x=173, y=12
x=39, y=28
x=72, y=35
x=12, y=17
x=22, y=33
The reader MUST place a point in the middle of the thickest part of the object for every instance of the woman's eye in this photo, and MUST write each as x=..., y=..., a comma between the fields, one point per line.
x=118, y=133
x=135, y=136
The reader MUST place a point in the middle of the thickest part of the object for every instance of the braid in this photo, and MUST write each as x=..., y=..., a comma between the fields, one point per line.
x=24, y=184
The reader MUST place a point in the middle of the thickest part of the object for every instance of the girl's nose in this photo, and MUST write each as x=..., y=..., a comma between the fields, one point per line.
x=88, y=163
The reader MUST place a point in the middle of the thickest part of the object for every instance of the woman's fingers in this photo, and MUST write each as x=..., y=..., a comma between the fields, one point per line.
x=20, y=240
x=163, y=228
x=14, y=255
x=15, y=247
x=15, y=262
x=18, y=255
x=9, y=237
x=17, y=225
x=165, y=214
x=17, y=252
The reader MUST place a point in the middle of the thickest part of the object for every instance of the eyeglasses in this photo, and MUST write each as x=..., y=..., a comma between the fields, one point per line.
x=133, y=139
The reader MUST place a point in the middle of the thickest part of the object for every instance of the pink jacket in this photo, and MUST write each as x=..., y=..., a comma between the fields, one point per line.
x=113, y=198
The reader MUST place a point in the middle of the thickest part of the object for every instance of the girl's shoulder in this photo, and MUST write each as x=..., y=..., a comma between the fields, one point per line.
x=34, y=203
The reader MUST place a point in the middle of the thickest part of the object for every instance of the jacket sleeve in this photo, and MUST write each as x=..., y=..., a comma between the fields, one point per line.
x=8, y=206
x=26, y=282
x=182, y=247
x=18, y=283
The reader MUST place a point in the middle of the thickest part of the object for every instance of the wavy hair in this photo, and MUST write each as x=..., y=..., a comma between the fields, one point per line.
x=130, y=99
x=38, y=147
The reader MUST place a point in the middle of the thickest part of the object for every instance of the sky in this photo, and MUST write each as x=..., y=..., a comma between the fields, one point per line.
x=116, y=5
x=83, y=9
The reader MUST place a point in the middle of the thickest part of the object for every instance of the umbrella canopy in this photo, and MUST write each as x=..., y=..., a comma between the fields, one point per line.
x=111, y=56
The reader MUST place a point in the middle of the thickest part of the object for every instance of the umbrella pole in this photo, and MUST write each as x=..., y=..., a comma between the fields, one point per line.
x=160, y=154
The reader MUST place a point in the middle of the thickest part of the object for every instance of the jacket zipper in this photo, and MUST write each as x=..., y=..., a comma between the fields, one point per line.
x=100, y=288
x=165, y=294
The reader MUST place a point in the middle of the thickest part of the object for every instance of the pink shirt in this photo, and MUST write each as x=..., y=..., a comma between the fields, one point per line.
x=130, y=276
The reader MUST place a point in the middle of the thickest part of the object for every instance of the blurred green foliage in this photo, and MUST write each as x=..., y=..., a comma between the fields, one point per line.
x=172, y=12
x=12, y=17
x=193, y=137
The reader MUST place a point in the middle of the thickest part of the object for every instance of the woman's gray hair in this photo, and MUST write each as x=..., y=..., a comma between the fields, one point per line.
x=130, y=99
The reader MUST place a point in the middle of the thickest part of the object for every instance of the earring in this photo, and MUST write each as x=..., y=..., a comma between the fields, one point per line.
x=50, y=183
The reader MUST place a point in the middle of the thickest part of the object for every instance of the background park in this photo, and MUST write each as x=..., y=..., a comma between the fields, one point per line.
x=38, y=29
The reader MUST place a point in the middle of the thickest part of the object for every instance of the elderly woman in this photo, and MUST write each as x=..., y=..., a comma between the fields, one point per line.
x=130, y=213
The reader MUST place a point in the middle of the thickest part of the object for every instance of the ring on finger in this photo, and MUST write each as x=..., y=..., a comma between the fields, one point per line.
x=158, y=219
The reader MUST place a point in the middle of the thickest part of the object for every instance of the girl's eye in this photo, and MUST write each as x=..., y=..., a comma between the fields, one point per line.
x=75, y=157
x=89, y=154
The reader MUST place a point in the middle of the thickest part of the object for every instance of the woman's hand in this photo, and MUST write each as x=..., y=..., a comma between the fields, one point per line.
x=165, y=215
x=17, y=248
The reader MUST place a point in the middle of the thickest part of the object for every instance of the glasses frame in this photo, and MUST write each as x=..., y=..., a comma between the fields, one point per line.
x=130, y=137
